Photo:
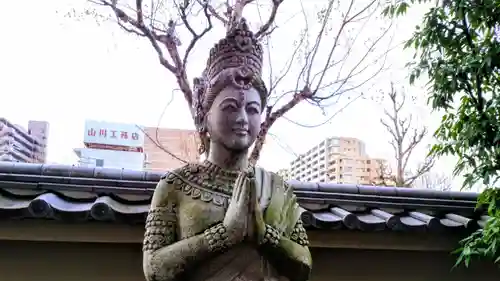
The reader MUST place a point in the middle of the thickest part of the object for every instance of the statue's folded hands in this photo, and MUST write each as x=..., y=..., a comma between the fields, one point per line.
x=236, y=217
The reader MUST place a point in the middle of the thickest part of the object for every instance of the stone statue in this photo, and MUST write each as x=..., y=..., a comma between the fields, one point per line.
x=224, y=219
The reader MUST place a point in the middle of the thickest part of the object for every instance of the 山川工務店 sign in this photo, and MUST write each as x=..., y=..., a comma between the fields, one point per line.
x=113, y=134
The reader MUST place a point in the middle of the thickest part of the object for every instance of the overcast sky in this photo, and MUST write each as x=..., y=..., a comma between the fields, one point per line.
x=65, y=71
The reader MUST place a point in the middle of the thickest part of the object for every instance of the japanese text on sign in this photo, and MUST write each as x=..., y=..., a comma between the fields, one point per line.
x=112, y=134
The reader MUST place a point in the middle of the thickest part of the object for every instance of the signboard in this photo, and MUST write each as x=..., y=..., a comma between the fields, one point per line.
x=113, y=136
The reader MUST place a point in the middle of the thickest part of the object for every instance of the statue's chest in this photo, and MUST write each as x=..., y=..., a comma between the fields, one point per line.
x=194, y=216
x=201, y=205
x=204, y=201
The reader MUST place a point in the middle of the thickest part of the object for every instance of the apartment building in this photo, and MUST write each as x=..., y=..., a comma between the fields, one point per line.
x=166, y=149
x=20, y=145
x=337, y=159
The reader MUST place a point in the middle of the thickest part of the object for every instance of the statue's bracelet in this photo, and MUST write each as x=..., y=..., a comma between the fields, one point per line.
x=271, y=236
x=217, y=237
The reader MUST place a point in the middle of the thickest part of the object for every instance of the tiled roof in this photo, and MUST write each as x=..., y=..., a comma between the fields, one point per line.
x=80, y=194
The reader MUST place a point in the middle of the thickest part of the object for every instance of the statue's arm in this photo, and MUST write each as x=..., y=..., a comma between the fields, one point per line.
x=164, y=256
x=289, y=255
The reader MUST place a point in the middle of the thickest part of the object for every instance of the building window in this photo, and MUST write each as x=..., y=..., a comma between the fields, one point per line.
x=99, y=162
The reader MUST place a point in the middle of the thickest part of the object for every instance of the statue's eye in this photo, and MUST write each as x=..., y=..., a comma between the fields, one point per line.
x=253, y=110
x=230, y=106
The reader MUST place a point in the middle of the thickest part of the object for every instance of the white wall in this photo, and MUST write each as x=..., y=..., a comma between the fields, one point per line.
x=112, y=158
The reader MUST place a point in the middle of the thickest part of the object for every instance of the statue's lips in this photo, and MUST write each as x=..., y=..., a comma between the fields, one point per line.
x=240, y=132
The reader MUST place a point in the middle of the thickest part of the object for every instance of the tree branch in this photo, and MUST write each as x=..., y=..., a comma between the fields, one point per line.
x=214, y=12
x=195, y=36
x=310, y=83
x=308, y=86
x=264, y=29
x=271, y=118
x=398, y=126
x=434, y=181
x=384, y=175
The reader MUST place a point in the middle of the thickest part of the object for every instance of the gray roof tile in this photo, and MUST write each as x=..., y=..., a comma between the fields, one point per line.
x=115, y=195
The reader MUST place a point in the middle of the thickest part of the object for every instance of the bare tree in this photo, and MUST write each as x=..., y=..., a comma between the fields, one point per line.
x=404, y=139
x=385, y=175
x=326, y=69
x=431, y=180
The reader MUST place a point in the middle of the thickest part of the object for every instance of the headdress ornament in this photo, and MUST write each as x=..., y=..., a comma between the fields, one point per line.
x=240, y=49
x=236, y=59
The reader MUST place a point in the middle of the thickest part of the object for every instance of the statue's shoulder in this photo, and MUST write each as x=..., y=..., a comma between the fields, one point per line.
x=185, y=174
x=169, y=185
x=273, y=179
x=261, y=172
x=175, y=176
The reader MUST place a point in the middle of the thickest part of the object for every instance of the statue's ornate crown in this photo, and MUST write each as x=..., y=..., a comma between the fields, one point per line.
x=239, y=48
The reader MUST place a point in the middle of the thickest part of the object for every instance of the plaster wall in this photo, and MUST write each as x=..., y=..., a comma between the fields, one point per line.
x=59, y=261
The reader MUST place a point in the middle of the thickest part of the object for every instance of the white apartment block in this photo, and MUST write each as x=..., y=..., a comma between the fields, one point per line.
x=336, y=159
x=20, y=145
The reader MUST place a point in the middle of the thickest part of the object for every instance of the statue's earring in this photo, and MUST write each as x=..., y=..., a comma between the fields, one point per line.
x=201, y=148
x=201, y=128
x=203, y=140
x=204, y=126
x=204, y=136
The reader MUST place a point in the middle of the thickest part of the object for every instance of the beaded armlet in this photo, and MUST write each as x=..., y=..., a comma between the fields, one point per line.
x=271, y=236
x=217, y=238
x=160, y=228
x=299, y=234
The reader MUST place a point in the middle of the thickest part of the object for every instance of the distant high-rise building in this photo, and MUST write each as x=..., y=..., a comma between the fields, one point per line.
x=20, y=145
x=337, y=159
x=166, y=149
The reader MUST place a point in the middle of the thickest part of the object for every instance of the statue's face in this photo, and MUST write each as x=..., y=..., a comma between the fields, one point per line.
x=234, y=118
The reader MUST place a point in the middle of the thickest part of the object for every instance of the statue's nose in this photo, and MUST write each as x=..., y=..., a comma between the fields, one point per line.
x=242, y=117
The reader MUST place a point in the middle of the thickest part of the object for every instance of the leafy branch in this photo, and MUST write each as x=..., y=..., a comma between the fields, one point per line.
x=458, y=47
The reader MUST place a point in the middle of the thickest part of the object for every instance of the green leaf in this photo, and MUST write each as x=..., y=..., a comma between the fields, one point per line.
x=457, y=46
